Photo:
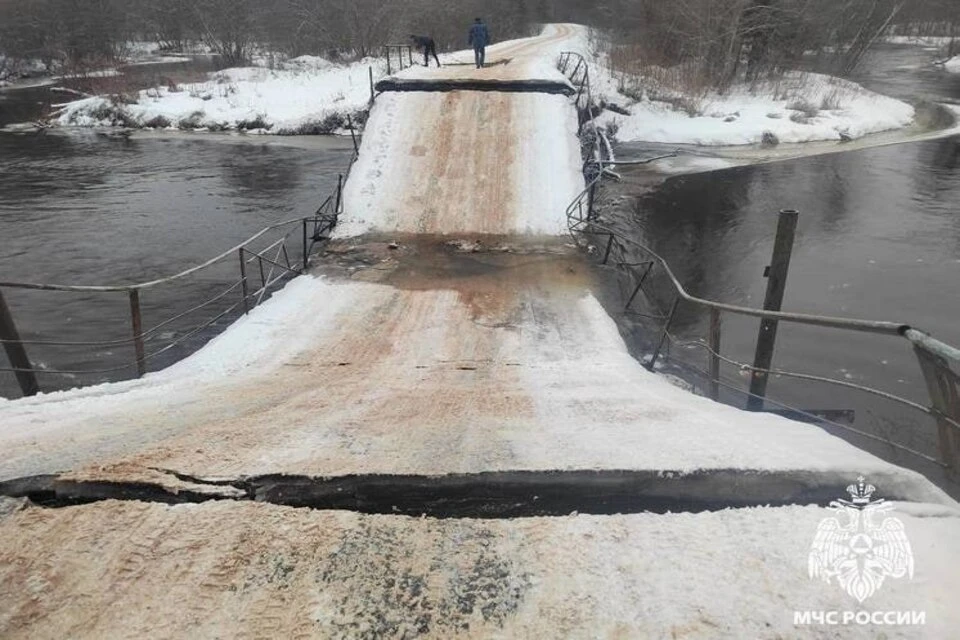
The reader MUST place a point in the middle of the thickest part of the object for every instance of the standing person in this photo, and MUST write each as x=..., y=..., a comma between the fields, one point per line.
x=429, y=48
x=479, y=38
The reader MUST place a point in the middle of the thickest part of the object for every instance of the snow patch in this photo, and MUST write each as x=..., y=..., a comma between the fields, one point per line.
x=305, y=95
x=803, y=107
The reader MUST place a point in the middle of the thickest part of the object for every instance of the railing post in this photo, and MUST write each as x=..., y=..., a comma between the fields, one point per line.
x=336, y=210
x=714, y=355
x=944, y=388
x=410, y=55
x=590, y=198
x=776, y=284
x=243, y=282
x=606, y=255
x=373, y=92
x=306, y=250
x=137, y=322
x=639, y=286
x=663, y=335
x=389, y=68
x=353, y=135
x=16, y=352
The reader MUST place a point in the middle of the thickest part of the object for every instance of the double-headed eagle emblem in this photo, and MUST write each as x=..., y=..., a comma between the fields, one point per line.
x=855, y=549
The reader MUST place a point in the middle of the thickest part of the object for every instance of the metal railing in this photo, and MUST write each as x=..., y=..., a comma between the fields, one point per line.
x=261, y=266
x=580, y=78
x=404, y=54
x=638, y=263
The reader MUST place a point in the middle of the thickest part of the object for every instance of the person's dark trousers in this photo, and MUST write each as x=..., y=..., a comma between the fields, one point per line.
x=480, y=54
x=430, y=49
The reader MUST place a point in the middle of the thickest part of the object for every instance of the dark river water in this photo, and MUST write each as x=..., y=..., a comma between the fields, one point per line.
x=91, y=209
x=878, y=238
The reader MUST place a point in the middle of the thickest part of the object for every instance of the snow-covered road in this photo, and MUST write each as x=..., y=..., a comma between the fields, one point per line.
x=439, y=355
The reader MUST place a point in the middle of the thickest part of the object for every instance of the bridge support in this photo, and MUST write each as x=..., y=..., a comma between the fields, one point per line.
x=776, y=285
x=16, y=352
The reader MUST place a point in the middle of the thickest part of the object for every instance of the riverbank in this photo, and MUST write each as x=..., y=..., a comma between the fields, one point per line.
x=311, y=95
x=800, y=107
x=797, y=107
x=305, y=95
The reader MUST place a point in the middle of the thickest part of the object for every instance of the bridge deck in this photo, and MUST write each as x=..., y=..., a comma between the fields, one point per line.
x=490, y=354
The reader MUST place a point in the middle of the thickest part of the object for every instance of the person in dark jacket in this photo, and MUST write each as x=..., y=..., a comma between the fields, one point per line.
x=429, y=48
x=479, y=38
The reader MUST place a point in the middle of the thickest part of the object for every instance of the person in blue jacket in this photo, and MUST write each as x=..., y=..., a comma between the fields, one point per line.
x=479, y=38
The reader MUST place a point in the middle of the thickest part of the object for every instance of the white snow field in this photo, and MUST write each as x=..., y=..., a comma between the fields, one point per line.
x=803, y=107
x=953, y=64
x=446, y=356
x=297, y=97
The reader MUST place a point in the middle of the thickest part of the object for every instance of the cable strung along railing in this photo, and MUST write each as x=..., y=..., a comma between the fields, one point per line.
x=637, y=263
x=267, y=258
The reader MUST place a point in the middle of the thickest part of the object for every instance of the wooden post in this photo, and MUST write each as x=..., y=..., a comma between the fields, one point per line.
x=243, y=282
x=389, y=68
x=943, y=386
x=410, y=55
x=137, y=321
x=714, y=355
x=26, y=377
x=776, y=284
x=373, y=91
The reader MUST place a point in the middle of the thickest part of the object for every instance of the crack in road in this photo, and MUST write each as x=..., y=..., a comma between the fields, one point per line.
x=489, y=495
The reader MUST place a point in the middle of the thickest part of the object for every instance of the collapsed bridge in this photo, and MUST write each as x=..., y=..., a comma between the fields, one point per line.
x=447, y=358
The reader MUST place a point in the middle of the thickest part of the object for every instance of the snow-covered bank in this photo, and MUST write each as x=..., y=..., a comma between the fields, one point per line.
x=12, y=71
x=802, y=107
x=953, y=64
x=305, y=95
x=930, y=42
x=799, y=107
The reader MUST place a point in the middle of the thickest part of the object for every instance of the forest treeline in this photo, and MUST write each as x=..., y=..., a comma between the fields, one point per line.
x=719, y=40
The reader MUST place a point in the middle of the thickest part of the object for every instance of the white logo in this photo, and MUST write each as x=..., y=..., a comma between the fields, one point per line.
x=860, y=554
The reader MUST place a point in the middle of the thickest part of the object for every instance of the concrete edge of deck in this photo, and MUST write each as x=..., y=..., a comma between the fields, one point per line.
x=454, y=84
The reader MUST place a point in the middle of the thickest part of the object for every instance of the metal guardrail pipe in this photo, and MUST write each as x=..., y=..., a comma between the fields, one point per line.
x=870, y=326
x=932, y=345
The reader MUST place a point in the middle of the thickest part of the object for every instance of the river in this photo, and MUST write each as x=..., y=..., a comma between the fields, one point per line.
x=878, y=238
x=94, y=209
